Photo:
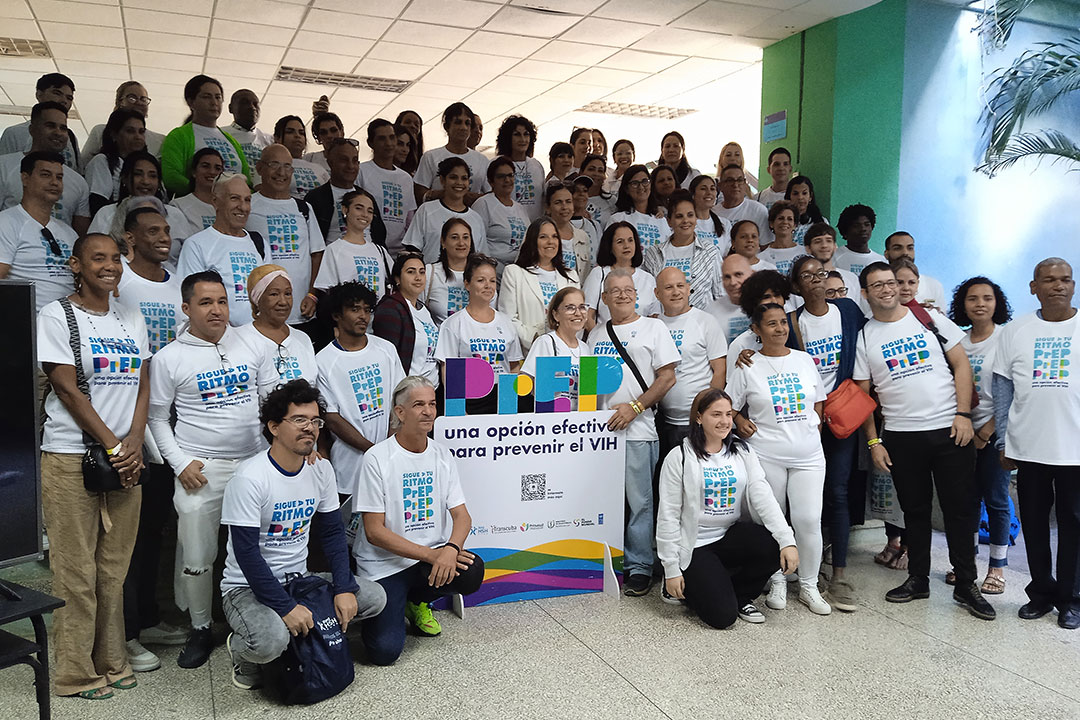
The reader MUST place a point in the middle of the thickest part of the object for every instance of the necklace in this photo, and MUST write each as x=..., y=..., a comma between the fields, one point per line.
x=774, y=369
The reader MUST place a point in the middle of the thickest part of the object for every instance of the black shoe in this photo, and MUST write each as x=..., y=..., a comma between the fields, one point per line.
x=1070, y=619
x=914, y=588
x=669, y=598
x=971, y=597
x=638, y=585
x=196, y=652
x=1034, y=609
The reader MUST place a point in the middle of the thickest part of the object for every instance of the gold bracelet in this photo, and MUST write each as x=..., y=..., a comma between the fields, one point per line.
x=637, y=407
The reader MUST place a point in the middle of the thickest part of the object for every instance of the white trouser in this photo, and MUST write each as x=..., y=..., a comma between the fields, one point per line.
x=799, y=491
x=198, y=525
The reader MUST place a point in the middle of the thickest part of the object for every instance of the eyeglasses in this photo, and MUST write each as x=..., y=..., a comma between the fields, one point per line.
x=737, y=180
x=337, y=142
x=303, y=423
x=221, y=355
x=281, y=362
x=137, y=99
x=619, y=292
x=881, y=284
x=836, y=292
x=277, y=165
x=638, y=183
x=819, y=274
x=53, y=245
x=576, y=309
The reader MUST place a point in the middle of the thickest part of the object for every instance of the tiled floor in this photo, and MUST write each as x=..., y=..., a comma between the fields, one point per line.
x=592, y=657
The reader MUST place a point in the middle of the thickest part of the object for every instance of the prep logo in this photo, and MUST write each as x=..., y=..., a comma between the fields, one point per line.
x=907, y=356
x=1050, y=362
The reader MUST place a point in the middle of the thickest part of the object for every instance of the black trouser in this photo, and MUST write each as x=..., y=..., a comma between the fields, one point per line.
x=140, y=586
x=922, y=460
x=1037, y=487
x=725, y=575
x=670, y=436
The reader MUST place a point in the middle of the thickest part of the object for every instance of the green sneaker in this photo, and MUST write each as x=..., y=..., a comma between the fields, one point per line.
x=420, y=617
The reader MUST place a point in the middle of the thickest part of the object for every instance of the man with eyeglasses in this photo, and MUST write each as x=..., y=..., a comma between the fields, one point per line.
x=924, y=384
x=391, y=186
x=273, y=504
x=735, y=205
x=48, y=133
x=245, y=109
x=34, y=245
x=212, y=380
x=293, y=237
x=343, y=157
x=51, y=87
x=648, y=344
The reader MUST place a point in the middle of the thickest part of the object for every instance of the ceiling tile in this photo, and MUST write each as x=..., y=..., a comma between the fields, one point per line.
x=75, y=12
x=188, y=63
x=383, y=8
x=218, y=48
x=786, y=24
x=388, y=69
x=540, y=70
x=93, y=69
x=575, y=53
x=97, y=53
x=606, y=32
x=464, y=69
x=414, y=33
x=645, y=11
x=416, y=53
x=319, y=61
x=65, y=32
x=641, y=61
x=241, y=83
x=362, y=97
x=155, y=21
x=164, y=42
x=668, y=39
x=232, y=30
x=323, y=42
x=608, y=77
x=526, y=22
x=523, y=87
x=723, y=17
x=747, y=50
x=20, y=94
x=14, y=76
x=433, y=91
x=239, y=68
x=493, y=43
x=176, y=77
x=33, y=67
x=576, y=7
x=453, y=13
x=22, y=29
x=570, y=93
x=192, y=7
x=15, y=9
x=836, y=8
x=309, y=91
x=338, y=23
x=263, y=12
x=84, y=82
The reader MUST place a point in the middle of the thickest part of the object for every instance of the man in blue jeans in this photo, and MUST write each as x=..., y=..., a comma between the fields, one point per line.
x=414, y=525
x=271, y=505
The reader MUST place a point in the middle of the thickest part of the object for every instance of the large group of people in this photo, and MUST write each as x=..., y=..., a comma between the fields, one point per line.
x=256, y=335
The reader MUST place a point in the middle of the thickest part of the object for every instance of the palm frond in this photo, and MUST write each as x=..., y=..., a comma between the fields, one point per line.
x=1042, y=144
x=997, y=21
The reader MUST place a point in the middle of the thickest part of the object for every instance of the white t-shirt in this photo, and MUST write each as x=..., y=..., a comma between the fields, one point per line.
x=780, y=393
x=747, y=210
x=600, y=208
x=799, y=236
x=931, y=291
x=318, y=157
x=462, y=336
x=415, y=492
x=1037, y=356
x=281, y=505
x=425, y=231
x=445, y=295
x=724, y=479
x=706, y=231
x=904, y=362
x=357, y=385
x=393, y=190
x=651, y=230
x=504, y=227
x=427, y=173
x=548, y=284
x=646, y=304
x=25, y=249
x=981, y=357
x=114, y=347
x=100, y=179
x=699, y=339
x=344, y=261
x=768, y=197
x=427, y=338
x=231, y=257
x=746, y=340
x=782, y=258
x=678, y=257
x=551, y=345
x=306, y=176
x=853, y=262
x=251, y=142
x=73, y=202
x=212, y=137
x=200, y=215
x=649, y=345
x=158, y=303
x=92, y=147
x=733, y=321
x=822, y=338
x=294, y=358
x=529, y=187
x=289, y=240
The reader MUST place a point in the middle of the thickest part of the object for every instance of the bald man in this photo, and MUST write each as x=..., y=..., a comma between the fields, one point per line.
x=734, y=271
x=293, y=237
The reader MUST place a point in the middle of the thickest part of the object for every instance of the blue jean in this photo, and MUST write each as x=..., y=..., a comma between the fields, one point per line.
x=641, y=458
x=993, y=483
x=839, y=463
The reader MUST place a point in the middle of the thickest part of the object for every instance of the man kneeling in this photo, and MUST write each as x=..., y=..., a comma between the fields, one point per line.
x=270, y=504
x=414, y=525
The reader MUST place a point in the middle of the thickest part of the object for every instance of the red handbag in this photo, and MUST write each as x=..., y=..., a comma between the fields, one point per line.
x=846, y=409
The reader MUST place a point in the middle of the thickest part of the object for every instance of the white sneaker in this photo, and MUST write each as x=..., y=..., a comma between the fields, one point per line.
x=141, y=659
x=751, y=614
x=163, y=634
x=811, y=598
x=777, y=597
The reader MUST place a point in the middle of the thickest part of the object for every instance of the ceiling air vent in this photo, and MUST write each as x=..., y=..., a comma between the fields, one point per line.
x=632, y=110
x=20, y=47
x=323, y=77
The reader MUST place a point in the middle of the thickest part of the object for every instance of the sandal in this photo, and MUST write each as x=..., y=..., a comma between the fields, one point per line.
x=950, y=578
x=95, y=694
x=887, y=555
x=125, y=683
x=900, y=562
x=993, y=585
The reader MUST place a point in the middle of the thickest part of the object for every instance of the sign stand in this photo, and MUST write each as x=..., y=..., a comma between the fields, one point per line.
x=611, y=581
x=457, y=604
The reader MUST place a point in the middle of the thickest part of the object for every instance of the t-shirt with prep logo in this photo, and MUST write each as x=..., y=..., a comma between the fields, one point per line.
x=24, y=247
x=853, y=262
x=723, y=484
x=393, y=191
x=114, y=348
x=282, y=506
x=551, y=345
x=1044, y=418
x=779, y=394
x=678, y=257
x=504, y=227
x=648, y=342
x=427, y=173
x=904, y=362
x=822, y=339
x=158, y=302
x=293, y=359
x=73, y=202
x=252, y=143
x=425, y=230
x=981, y=356
x=496, y=342
x=415, y=493
x=699, y=339
x=357, y=385
x=529, y=187
x=231, y=257
x=427, y=338
x=782, y=258
x=306, y=176
x=733, y=321
x=600, y=208
x=344, y=261
x=290, y=241
x=445, y=294
x=200, y=215
x=651, y=229
x=213, y=138
x=747, y=210
x=548, y=283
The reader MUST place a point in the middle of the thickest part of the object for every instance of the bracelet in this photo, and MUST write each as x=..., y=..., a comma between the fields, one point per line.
x=114, y=451
x=313, y=296
x=963, y=414
x=637, y=406
x=875, y=441
x=450, y=544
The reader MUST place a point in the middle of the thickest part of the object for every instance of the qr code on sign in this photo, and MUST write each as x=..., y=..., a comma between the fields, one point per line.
x=534, y=486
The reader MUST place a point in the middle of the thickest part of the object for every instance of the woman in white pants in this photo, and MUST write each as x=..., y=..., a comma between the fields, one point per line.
x=779, y=401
